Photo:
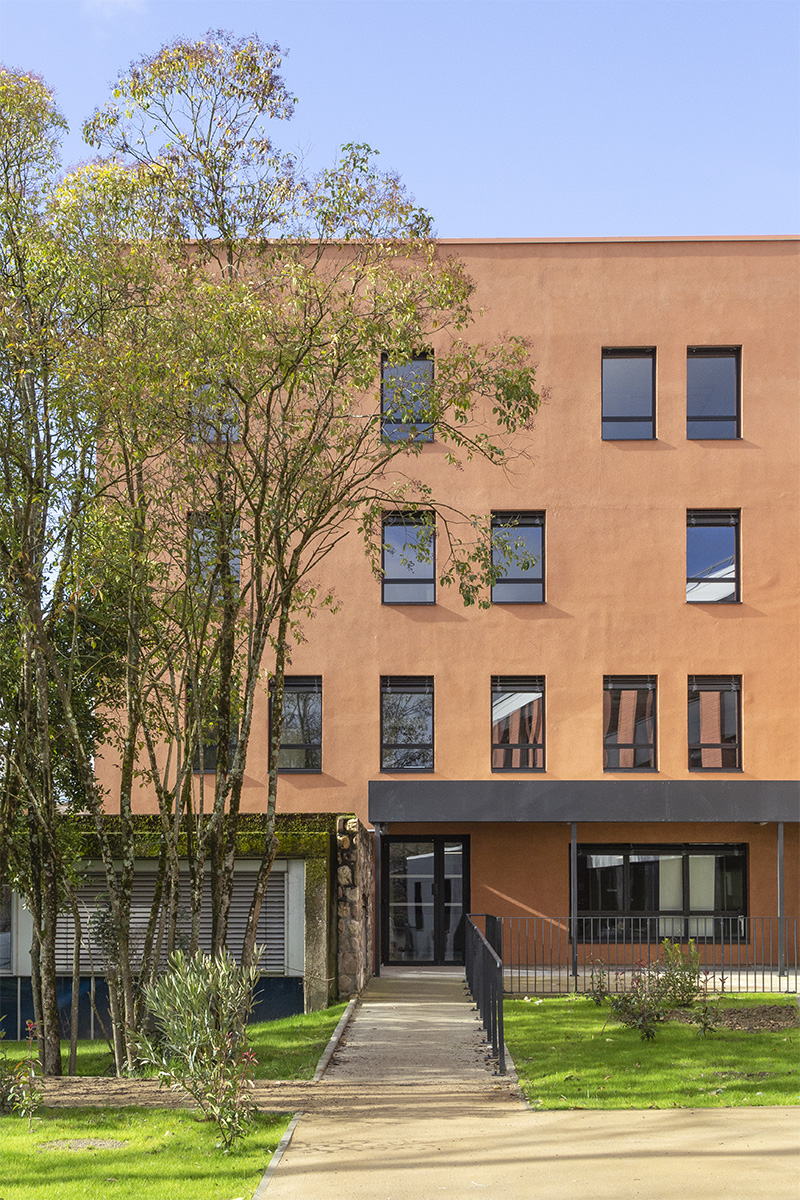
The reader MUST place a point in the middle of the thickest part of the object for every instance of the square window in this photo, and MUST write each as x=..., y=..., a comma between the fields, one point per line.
x=629, y=723
x=518, y=554
x=713, y=377
x=405, y=399
x=629, y=394
x=712, y=556
x=408, y=559
x=406, y=723
x=517, y=723
x=715, y=722
x=301, y=726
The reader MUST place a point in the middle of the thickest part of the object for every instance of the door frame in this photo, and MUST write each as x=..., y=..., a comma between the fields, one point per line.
x=438, y=840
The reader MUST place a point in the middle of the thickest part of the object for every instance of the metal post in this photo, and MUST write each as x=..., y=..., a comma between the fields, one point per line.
x=376, y=909
x=573, y=899
x=781, y=914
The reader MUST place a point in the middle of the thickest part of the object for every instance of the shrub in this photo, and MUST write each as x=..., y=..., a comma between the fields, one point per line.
x=199, y=1009
x=7, y=1079
x=598, y=983
x=681, y=973
x=644, y=1005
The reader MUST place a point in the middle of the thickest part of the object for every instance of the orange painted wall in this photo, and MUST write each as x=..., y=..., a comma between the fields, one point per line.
x=615, y=541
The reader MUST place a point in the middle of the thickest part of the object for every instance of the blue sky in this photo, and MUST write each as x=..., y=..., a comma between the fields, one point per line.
x=506, y=118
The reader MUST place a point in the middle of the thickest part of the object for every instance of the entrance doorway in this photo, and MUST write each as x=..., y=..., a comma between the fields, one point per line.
x=425, y=886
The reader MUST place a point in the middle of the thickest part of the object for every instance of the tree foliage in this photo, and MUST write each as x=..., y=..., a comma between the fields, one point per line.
x=228, y=318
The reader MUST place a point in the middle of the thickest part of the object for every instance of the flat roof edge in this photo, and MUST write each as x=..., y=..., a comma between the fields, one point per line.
x=533, y=241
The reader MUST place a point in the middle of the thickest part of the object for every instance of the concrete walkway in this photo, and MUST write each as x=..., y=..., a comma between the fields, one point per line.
x=408, y=1110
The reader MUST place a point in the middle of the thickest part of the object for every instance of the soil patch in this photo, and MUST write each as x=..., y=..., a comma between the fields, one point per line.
x=760, y=1018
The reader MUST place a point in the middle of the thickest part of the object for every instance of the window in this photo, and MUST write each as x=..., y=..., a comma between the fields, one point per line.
x=409, y=559
x=214, y=421
x=206, y=751
x=5, y=927
x=214, y=554
x=518, y=554
x=517, y=723
x=629, y=394
x=713, y=375
x=655, y=892
x=405, y=398
x=301, y=727
x=715, y=722
x=629, y=723
x=406, y=723
x=712, y=556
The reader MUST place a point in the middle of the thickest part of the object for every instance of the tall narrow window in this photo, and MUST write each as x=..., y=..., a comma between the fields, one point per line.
x=518, y=723
x=214, y=554
x=406, y=397
x=409, y=560
x=713, y=387
x=406, y=723
x=213, y=417
x=629, y=723
x=5, y=927
x=518, y=555
x=715, y=722
x=629, y=394
x=712, y=556
x=301, y=727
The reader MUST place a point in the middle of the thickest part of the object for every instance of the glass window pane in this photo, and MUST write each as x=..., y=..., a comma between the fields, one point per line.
x=627, y=431
x=711, y=552
x=510, y=544
x=708, y=430
x=518, y=593
x=407, y=552
x=601, y=883
x=409, y=593
x=711, y=385
x=405, y=399
x=5, y=927
x=628, y=387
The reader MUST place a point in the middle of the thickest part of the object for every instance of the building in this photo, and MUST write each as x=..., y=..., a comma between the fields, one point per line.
x=610, y=751
x=631, y=702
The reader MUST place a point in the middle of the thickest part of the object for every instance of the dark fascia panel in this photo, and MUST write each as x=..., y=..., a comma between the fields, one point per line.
x=438, y=801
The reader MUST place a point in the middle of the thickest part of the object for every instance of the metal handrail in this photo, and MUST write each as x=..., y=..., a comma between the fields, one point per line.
x=484, y=971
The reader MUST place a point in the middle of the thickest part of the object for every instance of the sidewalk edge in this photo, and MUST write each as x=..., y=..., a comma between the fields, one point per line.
x=335, y=1038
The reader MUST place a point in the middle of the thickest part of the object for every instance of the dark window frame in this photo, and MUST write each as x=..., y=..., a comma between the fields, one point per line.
x=716, y=518
x=519, y=683
x=299, y=684
x=602, y=924
x=410, y=685
x=529, y=519
x=404, y=431
x=719, y=684
x=629, y=352
x=629, y=683
x=408, y=519
x=734, y=352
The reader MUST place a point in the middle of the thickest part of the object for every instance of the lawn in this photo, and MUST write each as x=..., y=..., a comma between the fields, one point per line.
x=568, y=1054
x=286, y=1049
x=163, y=1152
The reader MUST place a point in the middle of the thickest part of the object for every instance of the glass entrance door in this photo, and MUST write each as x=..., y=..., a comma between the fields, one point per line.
x=425, y=899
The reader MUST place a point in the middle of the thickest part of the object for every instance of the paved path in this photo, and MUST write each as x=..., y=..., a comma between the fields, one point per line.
x=409, y=1111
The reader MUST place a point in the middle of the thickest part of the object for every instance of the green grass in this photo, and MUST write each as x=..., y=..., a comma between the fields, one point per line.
x=568, y=1057
x=167, y=1152
x=286, y=1049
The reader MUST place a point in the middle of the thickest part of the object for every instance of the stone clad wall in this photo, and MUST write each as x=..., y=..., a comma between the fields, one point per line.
x=354, y=890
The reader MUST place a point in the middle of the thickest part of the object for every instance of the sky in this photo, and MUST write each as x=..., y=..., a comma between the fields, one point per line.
x=505, y=118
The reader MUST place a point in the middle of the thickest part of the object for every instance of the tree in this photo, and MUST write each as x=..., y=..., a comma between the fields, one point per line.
x=221, y=324
x=275, y=317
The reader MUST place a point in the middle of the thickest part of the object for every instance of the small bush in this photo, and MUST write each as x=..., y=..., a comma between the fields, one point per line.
x=644, y=1005
x=681, y=973
x=200, y=1008
x=7, y=1078
x=598, y=983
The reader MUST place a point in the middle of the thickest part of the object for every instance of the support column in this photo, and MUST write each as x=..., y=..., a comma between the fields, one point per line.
x=781, y=906
x=376, y=908
x=573, y=900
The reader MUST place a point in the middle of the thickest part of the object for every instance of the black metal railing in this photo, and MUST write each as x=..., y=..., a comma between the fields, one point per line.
x=737, y=954
x=484, y=971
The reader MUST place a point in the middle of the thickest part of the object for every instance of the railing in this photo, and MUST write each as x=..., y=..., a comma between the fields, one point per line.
x=484, y=971
x=737, y=954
